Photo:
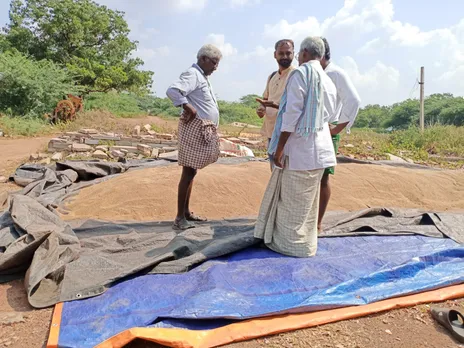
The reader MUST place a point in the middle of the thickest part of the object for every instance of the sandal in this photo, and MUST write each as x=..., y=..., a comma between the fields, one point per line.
x=193, y=217
x=182, y=225
x=451, y=319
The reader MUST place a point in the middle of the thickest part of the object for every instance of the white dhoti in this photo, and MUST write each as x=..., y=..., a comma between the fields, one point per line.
x=287, y=220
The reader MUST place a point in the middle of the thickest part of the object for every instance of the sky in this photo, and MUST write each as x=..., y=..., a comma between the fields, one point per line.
x=381, y=44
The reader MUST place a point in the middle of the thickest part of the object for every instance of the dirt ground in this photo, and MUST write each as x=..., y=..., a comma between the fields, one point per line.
x=14, y=151
x=222, y=191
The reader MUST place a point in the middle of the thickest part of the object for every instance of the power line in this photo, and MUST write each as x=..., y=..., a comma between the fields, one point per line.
x=414, y=88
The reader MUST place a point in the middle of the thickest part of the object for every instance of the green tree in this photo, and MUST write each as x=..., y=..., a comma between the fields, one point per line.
x=90, y=40
x=250, y=100
x=404, y=114
x=453, y=114
x=372, y=116
x=32, y=88
x=164, y=107
x=433, y=106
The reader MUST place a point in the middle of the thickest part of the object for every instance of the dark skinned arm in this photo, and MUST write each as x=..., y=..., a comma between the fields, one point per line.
x=338, y=128
x=280, y=149
x=267, y=103
x=189, y=113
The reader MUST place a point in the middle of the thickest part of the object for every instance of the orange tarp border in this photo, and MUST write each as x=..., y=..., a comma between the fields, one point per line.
x=55, y=327
x=255, y=328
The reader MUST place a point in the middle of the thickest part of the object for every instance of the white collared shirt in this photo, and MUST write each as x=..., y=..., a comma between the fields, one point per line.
x=194, y=88
x=315, y=151
x=348, y=101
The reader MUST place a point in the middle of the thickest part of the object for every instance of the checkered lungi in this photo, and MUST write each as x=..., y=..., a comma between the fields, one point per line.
x=288, y=216
x=198, y=143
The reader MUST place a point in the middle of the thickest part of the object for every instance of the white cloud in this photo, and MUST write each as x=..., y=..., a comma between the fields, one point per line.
x=240, y=3
x=370, y=47
x=148, y=54
x=155, y=6
x=163, y=51
x=296, y=31
x=139, y=32
x=453, y=78
x=355, y=18
x=219, y=41
x=399, y=49
x=186, y=5
x=148, y=33
x=379, y=78
x=259, y=52
x=358, y=17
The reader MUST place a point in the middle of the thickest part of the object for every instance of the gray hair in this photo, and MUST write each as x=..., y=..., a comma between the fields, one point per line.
x=314, y=45
x=209, y=51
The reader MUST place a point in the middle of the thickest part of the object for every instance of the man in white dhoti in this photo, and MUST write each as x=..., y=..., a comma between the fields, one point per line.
x=302, y=148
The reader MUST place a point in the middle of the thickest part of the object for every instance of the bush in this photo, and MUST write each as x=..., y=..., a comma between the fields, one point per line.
x=119, y=104
x=237, y=112
x=159, y=106
x=32, y=88
x=436, y=140
x=25, y=126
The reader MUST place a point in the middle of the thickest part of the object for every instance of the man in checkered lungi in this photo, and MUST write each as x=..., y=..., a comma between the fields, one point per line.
x=198, y=139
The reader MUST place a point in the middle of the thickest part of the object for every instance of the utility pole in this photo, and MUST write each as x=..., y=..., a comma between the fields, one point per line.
x=421, y=83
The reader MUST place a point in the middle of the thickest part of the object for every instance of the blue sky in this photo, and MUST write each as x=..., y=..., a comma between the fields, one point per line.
x=380, y=43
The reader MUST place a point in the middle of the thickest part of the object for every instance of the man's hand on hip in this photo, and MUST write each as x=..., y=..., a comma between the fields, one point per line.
x=189, y=113
x=338, y=128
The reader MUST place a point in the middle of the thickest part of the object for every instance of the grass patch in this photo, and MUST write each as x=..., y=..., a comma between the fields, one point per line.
x=25, y=126
x=166, y=128
x=102, y=121
x=438, y=145
x=437, y=140
x=119, y=104
x=367, y=144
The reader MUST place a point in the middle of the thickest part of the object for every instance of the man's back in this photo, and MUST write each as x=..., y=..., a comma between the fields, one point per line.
x=348, y=100
x=316, y=150
x=330, y=95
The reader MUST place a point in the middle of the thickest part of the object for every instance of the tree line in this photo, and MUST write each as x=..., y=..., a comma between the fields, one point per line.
x=51, y=48
x=443, y=109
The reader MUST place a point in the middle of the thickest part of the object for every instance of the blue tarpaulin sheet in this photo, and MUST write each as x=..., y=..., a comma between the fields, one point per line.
x=257, y=282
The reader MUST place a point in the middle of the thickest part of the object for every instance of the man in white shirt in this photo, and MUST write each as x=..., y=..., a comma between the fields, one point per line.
x=346, y=110
x=198, y=140
x=302, y=148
